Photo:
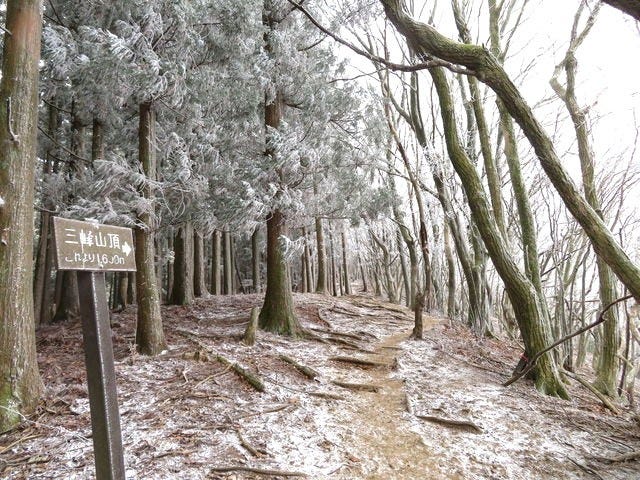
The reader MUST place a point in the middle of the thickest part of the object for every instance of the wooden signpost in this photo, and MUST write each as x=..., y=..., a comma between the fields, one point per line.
x=92, y=250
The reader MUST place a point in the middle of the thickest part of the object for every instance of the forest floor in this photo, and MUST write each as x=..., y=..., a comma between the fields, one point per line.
x=187, y=416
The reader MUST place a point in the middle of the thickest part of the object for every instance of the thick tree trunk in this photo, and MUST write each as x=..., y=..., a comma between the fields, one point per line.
x=149, y=332
x=182, y=291
x=523, y=295
x=321, y=283
x=332, y=255
x=20, y=384
x=277, y=313
x=426, y=40
x=199, y=266
x=215, y=263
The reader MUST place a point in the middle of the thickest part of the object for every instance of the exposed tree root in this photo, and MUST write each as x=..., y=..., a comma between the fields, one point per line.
x=322, y=316
x=259, y=471
x=306, y=371
x=329, y=396
x=361, y=362
x=247, y=446
x=251, y=378
x=603, y=398
x=624, y=457
x=358, y=386
x=450, y=422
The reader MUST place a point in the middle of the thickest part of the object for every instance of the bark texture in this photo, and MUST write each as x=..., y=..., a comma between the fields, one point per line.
x=182, y=292
x=149, y=332
x=20, y=384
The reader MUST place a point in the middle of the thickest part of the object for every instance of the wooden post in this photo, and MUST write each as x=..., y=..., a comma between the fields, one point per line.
x=91, y=249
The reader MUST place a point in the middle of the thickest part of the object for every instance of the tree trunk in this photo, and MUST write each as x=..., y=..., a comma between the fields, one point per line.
x=426, y=40
x=215, y=263
x=345, y=265
x=20, y=384
x=182, y=291
x=227, y=267
x=255, y=260
x=307, y=261
x=45, y=252
x=321, y=284
x=123, y=288
x=277, y=313
x=332, y=255
x=149, y=332
x=607, y=364
x=199, y=270
x=451, y=274
x=523, y=295
x=69, y=307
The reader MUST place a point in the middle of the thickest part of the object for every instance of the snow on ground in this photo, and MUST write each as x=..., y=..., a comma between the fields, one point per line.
x=184, y=414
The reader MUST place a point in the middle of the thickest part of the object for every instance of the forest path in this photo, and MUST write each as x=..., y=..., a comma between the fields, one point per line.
x=381, y=426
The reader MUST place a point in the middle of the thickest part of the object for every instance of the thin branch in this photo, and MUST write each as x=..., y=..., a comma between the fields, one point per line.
x=532, y=363
x=374, y=58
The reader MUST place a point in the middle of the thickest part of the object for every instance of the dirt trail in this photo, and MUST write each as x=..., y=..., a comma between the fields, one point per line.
x=382, y=430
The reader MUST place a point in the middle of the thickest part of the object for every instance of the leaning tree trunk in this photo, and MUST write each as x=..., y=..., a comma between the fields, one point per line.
x=607, y=364
x=20, y=384
x=427, y=41
x=523, y=295
x=182, y=291
x=149, y=332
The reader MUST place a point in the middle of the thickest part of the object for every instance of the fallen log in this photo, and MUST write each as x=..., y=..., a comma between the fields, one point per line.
x=360, y=362
x=358, y=386
x=306, y=371
x=259, y=471
x=450, y=422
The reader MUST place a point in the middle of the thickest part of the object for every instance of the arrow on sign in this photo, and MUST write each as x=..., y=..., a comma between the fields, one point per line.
x=126, y=248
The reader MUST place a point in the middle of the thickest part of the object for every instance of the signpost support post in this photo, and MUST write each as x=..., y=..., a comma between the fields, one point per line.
x=91, y=249
x=101, y=376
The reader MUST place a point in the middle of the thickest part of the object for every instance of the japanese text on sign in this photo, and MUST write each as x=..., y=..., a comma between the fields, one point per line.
x=87, y=246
